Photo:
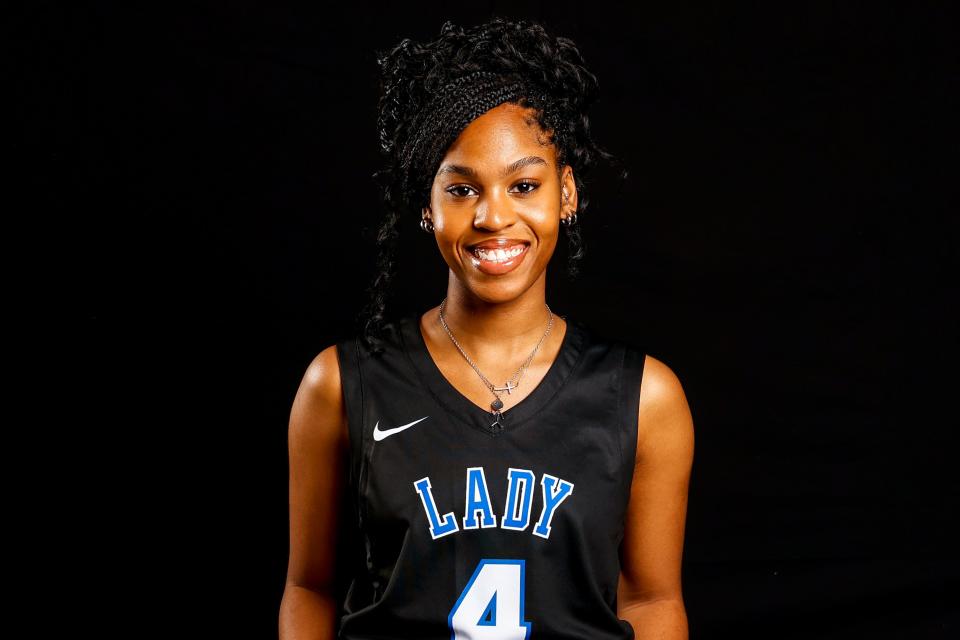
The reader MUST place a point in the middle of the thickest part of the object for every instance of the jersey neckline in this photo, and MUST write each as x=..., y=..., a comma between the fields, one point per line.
x=464, y=409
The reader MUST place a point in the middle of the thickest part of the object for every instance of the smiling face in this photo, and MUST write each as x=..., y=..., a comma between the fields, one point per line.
x=496, y=204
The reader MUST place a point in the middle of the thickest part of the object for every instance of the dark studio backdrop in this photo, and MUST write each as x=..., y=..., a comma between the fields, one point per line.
x=780, y=243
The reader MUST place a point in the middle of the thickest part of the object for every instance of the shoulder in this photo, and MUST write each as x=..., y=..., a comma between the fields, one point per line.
x=322, y=377
x=664, y=421
x=318, y=408
x=660, y=388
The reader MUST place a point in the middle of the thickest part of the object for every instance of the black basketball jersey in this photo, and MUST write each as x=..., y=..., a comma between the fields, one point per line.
x=467, y=530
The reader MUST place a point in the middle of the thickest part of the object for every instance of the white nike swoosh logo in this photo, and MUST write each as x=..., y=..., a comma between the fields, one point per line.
x=379, y=434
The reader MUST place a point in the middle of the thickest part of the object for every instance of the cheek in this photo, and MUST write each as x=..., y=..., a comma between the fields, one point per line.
x=549, y=243
x=447, y=236
x=448, y=228
x=545, y=221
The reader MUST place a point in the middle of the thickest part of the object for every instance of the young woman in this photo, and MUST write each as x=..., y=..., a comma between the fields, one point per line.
x=488, y=469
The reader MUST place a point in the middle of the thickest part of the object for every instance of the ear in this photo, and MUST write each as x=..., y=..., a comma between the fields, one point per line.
x=426, y=213
x=568, y=192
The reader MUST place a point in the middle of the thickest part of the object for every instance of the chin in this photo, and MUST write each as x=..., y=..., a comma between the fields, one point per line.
x=501, y=290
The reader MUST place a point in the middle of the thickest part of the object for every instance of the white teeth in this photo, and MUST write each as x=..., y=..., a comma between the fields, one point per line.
x=499, y=255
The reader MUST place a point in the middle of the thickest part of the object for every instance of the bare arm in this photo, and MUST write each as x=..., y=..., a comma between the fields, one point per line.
x=650, y=596
x=317, y=440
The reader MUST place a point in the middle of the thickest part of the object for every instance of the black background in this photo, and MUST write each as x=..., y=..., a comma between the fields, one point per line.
x=782, y=244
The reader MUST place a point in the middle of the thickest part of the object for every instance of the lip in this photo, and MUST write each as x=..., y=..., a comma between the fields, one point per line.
x=497, y=243
x=497, y=268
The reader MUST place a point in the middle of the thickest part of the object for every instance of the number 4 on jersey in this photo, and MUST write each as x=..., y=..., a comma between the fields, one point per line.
x=491, y=605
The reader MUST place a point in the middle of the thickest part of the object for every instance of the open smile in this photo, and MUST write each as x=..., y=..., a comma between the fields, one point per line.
x=499, y=256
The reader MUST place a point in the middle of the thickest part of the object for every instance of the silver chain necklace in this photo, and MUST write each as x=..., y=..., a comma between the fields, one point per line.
x=513, y=382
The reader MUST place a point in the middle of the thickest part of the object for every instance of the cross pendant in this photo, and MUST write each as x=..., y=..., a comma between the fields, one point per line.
x=509, y=388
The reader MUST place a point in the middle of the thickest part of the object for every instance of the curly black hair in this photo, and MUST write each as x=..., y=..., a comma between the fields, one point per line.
x=413, y=75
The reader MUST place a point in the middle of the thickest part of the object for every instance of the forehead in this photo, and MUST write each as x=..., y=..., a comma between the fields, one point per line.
x=499, y=136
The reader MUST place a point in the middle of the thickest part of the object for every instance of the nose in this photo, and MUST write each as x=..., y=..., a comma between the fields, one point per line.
x=494, y=212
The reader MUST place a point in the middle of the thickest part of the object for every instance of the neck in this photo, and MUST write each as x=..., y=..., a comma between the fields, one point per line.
x=510, y=325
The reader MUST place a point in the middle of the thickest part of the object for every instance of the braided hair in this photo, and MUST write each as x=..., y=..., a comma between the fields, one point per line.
x=430, y=91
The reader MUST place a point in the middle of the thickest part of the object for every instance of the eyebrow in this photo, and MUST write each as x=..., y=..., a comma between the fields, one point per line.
x=513, y=167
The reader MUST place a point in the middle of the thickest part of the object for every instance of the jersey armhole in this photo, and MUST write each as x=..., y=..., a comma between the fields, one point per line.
x=631, y=377
x=349, y=554
x=351, y=382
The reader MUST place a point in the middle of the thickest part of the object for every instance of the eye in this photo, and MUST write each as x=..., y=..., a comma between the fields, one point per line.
x=455, y=188
x=532, y=186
